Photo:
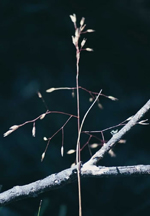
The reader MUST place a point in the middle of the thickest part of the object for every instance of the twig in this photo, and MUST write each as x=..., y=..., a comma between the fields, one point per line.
x=49, y=139
x=83, y=120
x=50, y=90
x=15, y=127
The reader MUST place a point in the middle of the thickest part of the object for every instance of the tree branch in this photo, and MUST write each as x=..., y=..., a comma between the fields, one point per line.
x=51, y=182
x=67, y=176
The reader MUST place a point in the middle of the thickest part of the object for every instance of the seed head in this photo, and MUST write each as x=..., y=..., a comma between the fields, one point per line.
x=83, y=42
x=83, y=27
x=7, y=133
x=90, y=30
x=42, y=116
x=82, y=21
x=112, y=98
x=43, y=155
x=14, y=127
x=73, y=18
x=45, y=138
x=74, y=40
x=94, y=145
x=62, y=151
x=50, y=90
x=111, y=152
x=89, y=49
x=39, y=95
x=71, y=151
x=33, y=130
x=143, y=122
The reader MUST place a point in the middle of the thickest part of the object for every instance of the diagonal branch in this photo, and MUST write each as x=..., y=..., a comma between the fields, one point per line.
x=67, y=176
x=116, y=137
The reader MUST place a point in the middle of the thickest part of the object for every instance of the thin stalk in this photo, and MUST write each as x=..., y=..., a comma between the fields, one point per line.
x=78, y=158
x=39, y=208
x=75, y=41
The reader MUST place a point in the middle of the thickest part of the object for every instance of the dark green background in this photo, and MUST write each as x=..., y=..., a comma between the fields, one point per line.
x=36, y=53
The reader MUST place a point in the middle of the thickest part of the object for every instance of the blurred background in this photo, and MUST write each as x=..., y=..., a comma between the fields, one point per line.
x=36, y=53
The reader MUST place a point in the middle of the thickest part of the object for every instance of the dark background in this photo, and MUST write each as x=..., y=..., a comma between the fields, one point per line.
x=36, y=53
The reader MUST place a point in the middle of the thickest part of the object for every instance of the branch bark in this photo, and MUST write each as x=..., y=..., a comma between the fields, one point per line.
x=67, y=176
x=89, y=169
